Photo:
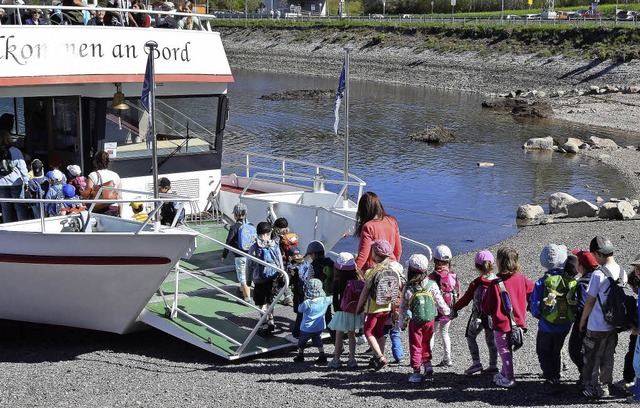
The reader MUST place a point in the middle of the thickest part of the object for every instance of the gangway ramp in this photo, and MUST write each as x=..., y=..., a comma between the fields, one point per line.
x=197, y=303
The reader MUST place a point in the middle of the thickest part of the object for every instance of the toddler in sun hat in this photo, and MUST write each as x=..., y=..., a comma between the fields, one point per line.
x=449, y=285
x=313, y=310
x=484, y=264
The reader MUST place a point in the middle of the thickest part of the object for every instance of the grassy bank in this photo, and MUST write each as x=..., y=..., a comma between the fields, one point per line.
x=587, y=41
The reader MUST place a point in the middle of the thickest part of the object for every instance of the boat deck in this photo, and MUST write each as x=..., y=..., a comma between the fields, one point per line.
x=220, y=310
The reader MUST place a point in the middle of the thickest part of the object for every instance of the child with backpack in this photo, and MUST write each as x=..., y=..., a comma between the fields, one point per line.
x=348, y=286
x=478, y=321
x=321, y=268
x=552, y=303
x=69, y=193
x=286, y=240
x=313, y=309
x=449, y=286
x=382, y=283
x=420, y=299
x=585, y=266
x=241, y=236
x=505, y=301
x=78, y=181
x=56, y=182
x=263, y=277
x=297, y=269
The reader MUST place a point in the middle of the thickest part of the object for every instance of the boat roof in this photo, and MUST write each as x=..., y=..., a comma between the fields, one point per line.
x=89, y=60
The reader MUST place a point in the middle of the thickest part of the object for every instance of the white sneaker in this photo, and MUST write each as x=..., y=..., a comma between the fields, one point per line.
x=289, y=337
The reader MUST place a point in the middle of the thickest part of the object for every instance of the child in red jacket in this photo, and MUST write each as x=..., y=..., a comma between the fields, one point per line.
x=519, y=289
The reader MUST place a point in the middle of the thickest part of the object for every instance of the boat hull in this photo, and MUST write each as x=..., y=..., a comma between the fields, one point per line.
x=100, y=281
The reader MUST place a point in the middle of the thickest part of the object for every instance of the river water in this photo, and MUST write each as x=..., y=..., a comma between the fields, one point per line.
x=437, y=193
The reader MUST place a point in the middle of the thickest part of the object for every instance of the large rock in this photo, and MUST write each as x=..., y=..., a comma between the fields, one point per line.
x=571, y=148
x=529, y=212
x=580, y=209
x=438, y=134
x=539, y=143
x=603, y=143
x=503, y=103
x=558, y=202
x=626, y=210
x=534, y=110
x=622, y=210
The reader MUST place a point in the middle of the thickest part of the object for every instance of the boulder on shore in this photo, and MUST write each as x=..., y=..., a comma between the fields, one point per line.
x=529, y=212
x=558, y=202
x=622, y=210
x=603, y=143
x=504, y=103
x=539, y=143
x=580, y=209
x=438, y=134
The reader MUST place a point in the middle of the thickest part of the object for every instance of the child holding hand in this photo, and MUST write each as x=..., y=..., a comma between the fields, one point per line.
x=313, y=309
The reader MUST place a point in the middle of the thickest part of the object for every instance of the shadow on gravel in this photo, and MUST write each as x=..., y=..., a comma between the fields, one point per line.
x=581, y=70
x=601, y=72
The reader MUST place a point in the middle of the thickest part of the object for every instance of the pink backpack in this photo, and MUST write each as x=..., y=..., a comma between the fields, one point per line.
x=351, y=295
x=448, y=285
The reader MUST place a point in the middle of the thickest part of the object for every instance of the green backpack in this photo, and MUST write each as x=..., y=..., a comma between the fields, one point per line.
x=421, y=305
x=558, y=304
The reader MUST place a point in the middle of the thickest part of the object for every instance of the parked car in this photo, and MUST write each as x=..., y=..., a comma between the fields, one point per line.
x=532, y=16
x=513, y=17
x=626, y=15
x=377, y=16
x=562, y=15
x=407, y=16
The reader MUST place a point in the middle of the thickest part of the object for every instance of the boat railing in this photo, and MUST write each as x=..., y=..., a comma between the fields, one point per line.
x=424, y=246
x=260, y=166
x=89, y=206
x=173, y=309
x=57, y=10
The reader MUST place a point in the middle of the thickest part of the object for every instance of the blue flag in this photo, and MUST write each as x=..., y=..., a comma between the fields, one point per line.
x=339, y=95
x=147, y=94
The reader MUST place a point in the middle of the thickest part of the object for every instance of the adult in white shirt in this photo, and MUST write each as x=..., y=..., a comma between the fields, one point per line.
x=601, y=338
x=102, y=175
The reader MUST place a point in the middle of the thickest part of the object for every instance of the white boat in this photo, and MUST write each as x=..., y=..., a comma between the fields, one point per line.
x=65, y=86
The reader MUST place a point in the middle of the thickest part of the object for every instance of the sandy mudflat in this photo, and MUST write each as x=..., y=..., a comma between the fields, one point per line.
x=57, y=367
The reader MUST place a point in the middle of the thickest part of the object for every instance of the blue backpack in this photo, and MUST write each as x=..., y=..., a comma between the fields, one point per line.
x=247, y=236
x=270, y=256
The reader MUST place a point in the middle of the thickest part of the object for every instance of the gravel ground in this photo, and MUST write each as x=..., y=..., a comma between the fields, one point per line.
x=60, y=367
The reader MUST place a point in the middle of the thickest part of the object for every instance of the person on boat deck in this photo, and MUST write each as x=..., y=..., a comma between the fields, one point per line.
x=55, y=165
x=141, y=19
x=73, y=17
x=98, y=19
x=35, y=18
x=6, y=122
x=166, y=20
x=102, y=174
x=169, y=210
x=54, y=192
x=138, y=212
x=38, y=185
x=13, y=176
x=189, y=22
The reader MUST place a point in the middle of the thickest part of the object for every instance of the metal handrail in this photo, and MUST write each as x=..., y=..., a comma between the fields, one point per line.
x=264, y=313
x=279, y=171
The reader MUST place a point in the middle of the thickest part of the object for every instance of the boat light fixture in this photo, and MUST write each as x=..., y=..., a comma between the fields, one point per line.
x=118, y=99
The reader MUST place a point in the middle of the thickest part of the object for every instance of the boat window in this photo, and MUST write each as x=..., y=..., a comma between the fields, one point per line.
x=183, y=125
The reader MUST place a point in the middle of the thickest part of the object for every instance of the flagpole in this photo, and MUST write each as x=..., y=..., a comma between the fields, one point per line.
x=152, y=45
x=346, y=124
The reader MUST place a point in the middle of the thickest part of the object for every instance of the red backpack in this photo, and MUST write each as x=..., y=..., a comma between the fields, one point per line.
x=351, y=295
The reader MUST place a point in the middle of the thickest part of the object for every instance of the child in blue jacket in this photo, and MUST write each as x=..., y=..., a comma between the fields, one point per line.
x=313, y=309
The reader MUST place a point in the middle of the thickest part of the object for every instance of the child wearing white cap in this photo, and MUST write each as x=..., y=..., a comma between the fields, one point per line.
x=347, y=288
x=449, y=285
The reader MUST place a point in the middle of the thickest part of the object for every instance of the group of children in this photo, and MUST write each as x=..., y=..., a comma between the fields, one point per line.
x=424, y=299
x=53, y=185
